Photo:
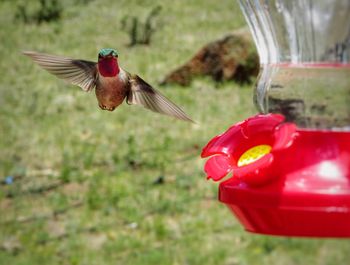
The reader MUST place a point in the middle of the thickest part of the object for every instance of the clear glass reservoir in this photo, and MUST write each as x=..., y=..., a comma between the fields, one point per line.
x=304, y=50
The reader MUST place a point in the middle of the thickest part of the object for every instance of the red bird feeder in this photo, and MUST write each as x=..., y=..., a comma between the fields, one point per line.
x=291, y=166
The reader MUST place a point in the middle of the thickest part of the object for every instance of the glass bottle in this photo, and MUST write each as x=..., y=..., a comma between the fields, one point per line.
x=304, y=50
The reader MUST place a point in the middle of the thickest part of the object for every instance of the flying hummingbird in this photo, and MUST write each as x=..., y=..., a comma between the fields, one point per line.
x=111, y=82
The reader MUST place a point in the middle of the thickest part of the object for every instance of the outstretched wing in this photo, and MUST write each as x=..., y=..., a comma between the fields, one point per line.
x=144, y=94
x=77, y=72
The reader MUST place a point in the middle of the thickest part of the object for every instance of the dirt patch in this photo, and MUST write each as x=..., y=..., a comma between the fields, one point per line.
x=232, y=57
x=75, y=188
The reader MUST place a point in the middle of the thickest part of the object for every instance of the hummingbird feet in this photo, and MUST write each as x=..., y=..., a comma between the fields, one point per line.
x=106, y=108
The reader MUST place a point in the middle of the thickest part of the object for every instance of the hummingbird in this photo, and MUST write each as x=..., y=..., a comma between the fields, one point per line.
x=112, y=83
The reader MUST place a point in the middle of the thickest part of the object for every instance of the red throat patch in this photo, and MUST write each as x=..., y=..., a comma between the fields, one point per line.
x=108, y=67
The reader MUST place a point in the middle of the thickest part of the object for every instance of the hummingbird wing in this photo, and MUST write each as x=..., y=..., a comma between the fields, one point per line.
x=141, y=93
x=77, y=72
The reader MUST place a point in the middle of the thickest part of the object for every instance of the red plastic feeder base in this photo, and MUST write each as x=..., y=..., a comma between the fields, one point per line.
x=285, y=181
x=277, y=219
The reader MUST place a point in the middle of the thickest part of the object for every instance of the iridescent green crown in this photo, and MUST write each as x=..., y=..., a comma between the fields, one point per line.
x=108, y=51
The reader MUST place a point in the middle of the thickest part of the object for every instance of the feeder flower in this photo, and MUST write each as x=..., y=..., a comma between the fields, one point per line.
x=248, y=149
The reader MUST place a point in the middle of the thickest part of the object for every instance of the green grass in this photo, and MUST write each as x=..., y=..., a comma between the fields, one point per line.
x=85, y=190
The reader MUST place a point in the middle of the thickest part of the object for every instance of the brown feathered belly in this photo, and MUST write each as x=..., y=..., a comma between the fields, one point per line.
x=110, y=92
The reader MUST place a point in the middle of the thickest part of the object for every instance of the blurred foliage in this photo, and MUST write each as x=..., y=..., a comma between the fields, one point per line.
x=84, y=2
x=48, y=10
x=141, y=32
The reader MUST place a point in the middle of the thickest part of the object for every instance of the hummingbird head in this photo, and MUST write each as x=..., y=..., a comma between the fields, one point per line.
x=107, y=62
x=107, y=53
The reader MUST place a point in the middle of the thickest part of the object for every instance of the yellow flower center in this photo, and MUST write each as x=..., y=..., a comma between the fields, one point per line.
x=253, y=154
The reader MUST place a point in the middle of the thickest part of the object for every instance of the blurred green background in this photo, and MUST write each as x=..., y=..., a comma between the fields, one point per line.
x=84, y=186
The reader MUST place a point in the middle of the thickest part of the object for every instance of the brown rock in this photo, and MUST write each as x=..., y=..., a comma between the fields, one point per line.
x=232, y=57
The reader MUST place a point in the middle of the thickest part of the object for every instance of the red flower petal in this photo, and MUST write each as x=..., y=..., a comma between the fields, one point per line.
x=225, y=143
x=284, y=136
x=262, y=124
x=217, y=167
